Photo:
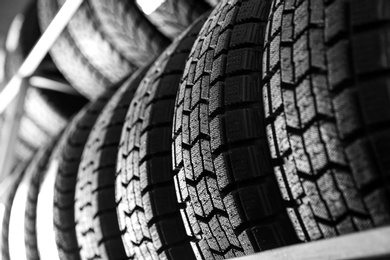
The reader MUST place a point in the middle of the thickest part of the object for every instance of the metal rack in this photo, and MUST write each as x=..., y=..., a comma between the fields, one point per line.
x=374, y=243
x=16, y=88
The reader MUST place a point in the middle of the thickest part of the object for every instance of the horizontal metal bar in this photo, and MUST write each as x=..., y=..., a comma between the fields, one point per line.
x=361, y=245
x=48, y=38
x=51, y=84
x=39, y=51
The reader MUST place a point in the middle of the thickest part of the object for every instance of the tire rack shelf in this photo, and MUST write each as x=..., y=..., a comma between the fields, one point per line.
x=370, y=244
x=17, y=86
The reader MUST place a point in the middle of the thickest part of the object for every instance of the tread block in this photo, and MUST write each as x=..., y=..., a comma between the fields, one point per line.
x=301, y=56
x=366, y=12
x=253, y=10
x=223, y=43
x=346, y=105
x=287, y=65
x=252, y=195
x=244, y=125
x=216, y=98
x=373, y=104
x=171, y=235
x=301, y=18
x=242, y=89
x=247, y=34
x=338, y=68
x=245, y=162
x=335, y=20
x=274, y=53
x=376, y=57
x=162, y=201
x=217, y=135
x=218, y=70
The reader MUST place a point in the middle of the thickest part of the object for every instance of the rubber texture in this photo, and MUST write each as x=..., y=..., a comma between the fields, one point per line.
x=222, y=164
x=104, y=41
x=327, y=113
x=70, y=149
x=45, y=112
x=19, y=171
x=172, y=17
x=148, y=211
x=97, y=230
x=35, y=173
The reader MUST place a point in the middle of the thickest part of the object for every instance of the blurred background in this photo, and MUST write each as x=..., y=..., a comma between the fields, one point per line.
x=8, y=10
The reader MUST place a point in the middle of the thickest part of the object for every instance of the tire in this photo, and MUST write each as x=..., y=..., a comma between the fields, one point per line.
x=148, y=212
x=104, y=41
x=45, y=112
x=327, y=114
x=22, y=217
x=35, y=174
x=97, y=230
x=60, y=103
x=172, y=17
x=223, y=169
x=69, y=153
x=8, y=200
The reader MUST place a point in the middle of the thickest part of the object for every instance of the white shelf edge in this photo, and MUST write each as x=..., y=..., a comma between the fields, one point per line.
x=361, y=245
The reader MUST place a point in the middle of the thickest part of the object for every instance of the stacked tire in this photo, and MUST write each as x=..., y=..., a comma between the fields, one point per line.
x=263, y=124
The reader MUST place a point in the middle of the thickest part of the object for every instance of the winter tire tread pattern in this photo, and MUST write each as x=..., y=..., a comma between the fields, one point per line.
x=327, y=115
x=97, y=229
x=70, y=149
x=147, y=206
x=36, y=172
x=220, y=151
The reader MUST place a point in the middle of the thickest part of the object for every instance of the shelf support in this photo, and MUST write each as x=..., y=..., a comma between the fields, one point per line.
x=17, y=86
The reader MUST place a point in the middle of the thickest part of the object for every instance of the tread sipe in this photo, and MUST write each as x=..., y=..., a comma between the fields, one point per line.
x=327, y=109
x=148, y=211
x=223, y=169
x=34, y=175
x=69, y=153
x=97, y=231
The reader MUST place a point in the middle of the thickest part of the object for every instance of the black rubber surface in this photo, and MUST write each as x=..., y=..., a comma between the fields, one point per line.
x=97, y=231
x=19, y=171
x=105, y=41
x=36, y=173
x=327, y=110
x=70, y=149
x=221, y=156
x=148, y=211
x=173, y=16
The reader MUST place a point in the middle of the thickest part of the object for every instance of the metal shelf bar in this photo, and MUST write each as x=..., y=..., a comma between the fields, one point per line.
x=374, y=243
x=52, y=84
x=39, y=51
x=17, y=86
